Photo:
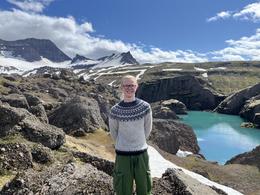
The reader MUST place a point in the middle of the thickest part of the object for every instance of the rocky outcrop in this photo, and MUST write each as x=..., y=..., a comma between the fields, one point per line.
x=175, y=105
x=170, y=136
x=247, y=158
x=192, y=91
x=18, y=120
x=163, y=112
x=61, y=179
x=174, y=181
x=14, y=156
x=234, y=103
x=101, y=164
x=41, y=154
x=78, y=114
x=15, y=100
x=251, y=110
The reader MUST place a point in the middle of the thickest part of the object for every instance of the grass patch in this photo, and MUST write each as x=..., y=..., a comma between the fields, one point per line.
x=98, y=144
x=228, y=84
x=5, y=178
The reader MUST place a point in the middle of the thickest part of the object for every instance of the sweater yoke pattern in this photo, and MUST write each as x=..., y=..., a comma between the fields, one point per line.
x=130, y=111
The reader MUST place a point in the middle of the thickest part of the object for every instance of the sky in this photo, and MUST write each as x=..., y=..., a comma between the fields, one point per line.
x=152, y=30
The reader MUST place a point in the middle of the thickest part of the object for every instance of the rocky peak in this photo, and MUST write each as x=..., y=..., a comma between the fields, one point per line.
x=79, y=58
x=127, y=58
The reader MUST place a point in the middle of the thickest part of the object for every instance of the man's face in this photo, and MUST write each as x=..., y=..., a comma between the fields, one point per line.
x=129, y=88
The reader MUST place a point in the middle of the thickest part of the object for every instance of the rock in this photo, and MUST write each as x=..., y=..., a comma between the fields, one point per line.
x=58, y=93
x=12, y=77
x=247, y=125
x=164, y=136
x=234, y=103
x=251, y=110
x=16, y=100
x=39, y=112
x=48, y=135
x=247, y=158
x=101, y=164
x=175, y=105
x=170, y=135
x=175, y=181
x=78, y=113
x=68, y=75
x=14, y=156
x=61, y=179
x=14, y=120
x=163, y=112
x=32, y=99
x=41, y=154
x=190, y=90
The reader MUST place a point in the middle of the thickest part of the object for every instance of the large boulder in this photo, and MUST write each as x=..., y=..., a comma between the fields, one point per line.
x=234, y=103
x=18, y=120
x=194, y=92
x=175, y=181
x=61, y=179
x=170, y=136
x=78, y=114
x=175, y=105
x=251, y=110
x=247, y=158
x=16, y=100
x=163, y=112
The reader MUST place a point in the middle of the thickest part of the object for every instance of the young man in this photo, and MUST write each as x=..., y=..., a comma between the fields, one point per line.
x=130, y=123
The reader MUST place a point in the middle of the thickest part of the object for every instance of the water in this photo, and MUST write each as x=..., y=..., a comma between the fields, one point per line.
x=220, y=136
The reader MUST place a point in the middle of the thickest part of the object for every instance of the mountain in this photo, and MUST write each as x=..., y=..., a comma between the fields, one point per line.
x=28, y=55
x=117, y=60
x=32, y=50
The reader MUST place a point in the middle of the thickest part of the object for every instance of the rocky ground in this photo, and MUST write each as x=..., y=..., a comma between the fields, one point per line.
x=54, y=138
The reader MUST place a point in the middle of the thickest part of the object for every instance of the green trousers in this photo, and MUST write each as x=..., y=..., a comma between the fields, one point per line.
x=132, y=168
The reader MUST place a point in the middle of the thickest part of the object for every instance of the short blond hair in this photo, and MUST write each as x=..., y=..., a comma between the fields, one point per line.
x=128, y=77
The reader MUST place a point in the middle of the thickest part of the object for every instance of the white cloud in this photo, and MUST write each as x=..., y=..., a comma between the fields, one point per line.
x=246, y=48
x=74, y=38
x=250, y=12
x=31, y=5
x=220, y=15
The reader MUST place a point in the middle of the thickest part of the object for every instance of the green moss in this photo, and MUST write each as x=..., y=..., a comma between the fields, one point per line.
x=6, y=178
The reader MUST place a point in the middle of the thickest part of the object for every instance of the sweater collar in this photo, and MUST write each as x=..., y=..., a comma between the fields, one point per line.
x=129, y=104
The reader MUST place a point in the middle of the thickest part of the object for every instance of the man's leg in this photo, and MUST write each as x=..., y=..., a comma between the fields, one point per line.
x=123, y=175
x=142, y=174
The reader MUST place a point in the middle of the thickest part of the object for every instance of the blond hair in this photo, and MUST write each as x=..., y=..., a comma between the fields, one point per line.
x=128, y=77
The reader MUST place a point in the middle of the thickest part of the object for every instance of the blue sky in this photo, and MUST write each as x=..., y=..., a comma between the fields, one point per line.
x=153, y=30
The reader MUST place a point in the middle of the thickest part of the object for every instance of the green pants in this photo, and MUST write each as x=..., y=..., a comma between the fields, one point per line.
x=129, y=168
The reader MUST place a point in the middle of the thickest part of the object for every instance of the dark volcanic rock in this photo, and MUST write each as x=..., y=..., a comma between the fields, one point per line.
x=14, y=120
x=175, y=181
x=187, y=89
x=234, y=103
x=39, y=111
x=79, y=58
x=41, y=154
x=48, y=135
x=69, y=179
x=247, y=158
x=251, y=110
x=76, y=114
x=101, y=164
x=16, y=100
x=170, y=135
x=14, y=156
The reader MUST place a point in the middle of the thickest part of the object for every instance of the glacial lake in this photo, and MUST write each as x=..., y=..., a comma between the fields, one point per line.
x=220, y=136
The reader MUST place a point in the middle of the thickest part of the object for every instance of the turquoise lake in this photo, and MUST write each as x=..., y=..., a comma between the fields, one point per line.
x=220, y=136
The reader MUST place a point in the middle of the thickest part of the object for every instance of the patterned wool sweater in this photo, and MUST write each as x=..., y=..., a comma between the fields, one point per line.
x=130, y=124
